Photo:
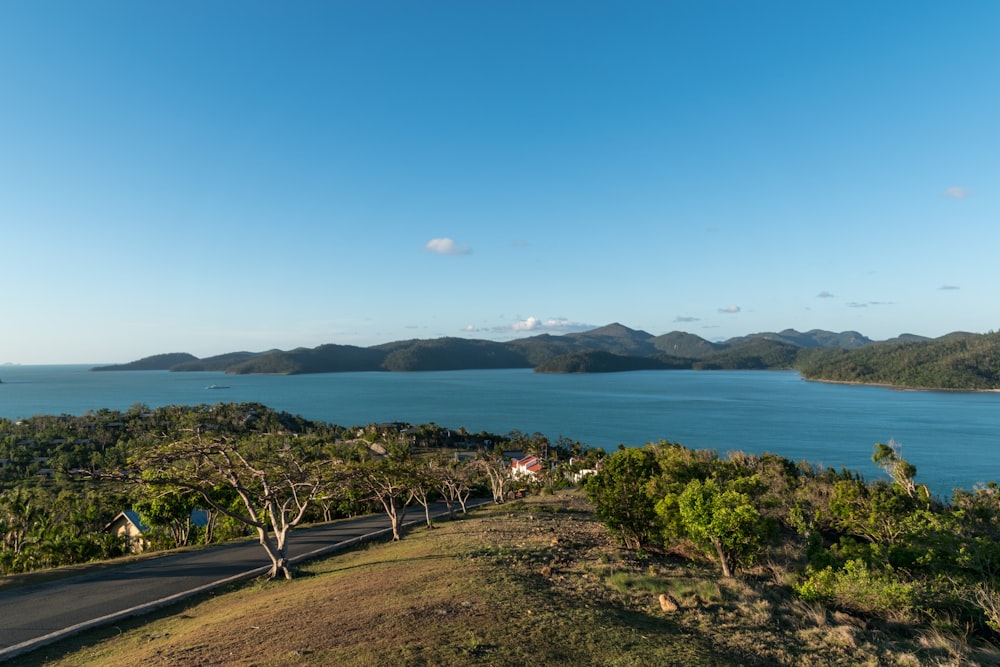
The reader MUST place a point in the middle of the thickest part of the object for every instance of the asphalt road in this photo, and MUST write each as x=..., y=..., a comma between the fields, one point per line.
x=32, y=616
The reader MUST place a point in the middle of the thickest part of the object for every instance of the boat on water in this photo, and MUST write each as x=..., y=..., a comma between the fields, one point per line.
x=217, y=386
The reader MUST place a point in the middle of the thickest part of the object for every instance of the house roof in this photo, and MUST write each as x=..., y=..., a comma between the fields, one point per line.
x=528, y=463
x=198, y=518
x=128, y=516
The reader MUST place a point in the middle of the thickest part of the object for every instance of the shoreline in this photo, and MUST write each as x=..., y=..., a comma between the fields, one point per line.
x=899, y=387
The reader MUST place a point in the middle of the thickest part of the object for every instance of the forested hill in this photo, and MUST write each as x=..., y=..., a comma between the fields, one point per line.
x=957, y=361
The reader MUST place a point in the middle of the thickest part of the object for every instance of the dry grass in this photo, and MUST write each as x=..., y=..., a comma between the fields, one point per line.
x=535, y=582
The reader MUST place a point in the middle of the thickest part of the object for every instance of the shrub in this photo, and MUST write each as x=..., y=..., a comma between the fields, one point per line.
x=856, y=587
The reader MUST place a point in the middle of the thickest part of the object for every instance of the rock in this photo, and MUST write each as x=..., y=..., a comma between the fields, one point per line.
x=668, y=603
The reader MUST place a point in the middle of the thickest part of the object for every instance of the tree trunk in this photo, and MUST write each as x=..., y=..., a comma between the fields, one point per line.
x=277, y=551
x=449, y=503
x=722, y=559
x=396, y=516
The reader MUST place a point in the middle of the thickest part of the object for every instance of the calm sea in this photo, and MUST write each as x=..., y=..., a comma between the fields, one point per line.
x=952, y=438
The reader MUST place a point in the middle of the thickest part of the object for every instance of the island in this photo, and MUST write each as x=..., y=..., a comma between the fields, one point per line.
x=958, y=361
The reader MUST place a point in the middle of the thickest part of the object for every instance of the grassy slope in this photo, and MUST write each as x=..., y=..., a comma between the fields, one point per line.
x=535, y=582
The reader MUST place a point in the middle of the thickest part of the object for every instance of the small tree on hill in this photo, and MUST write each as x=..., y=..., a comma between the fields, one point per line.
x=890, y=460
x=722, y=521
x=494, y=466
x=620, y=495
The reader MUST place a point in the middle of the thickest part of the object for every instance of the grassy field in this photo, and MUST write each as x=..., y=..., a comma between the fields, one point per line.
x=533, y=582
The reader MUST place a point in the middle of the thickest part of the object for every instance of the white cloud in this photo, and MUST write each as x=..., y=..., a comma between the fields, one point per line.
x=957, y=192
x=446, y=246
x=730, y=309
x=529, y=324
x=552, y=324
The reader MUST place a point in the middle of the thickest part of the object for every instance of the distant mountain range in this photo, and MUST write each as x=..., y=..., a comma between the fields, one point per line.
x=461, y=353
x=957, y=361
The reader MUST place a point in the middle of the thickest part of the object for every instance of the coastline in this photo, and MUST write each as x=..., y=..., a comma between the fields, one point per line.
x=899, y=387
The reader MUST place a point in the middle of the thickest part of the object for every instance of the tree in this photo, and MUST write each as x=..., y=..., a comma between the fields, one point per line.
x=170, y=511
x=722, y=521
x=423, y=484
x=454, y=482
x=18, y=513
x=494, y=466
x=275, y=477
x=620, y=495
x=902, y=472
x=388, y=480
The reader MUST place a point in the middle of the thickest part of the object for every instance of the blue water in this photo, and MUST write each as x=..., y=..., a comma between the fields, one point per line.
x=952, y=438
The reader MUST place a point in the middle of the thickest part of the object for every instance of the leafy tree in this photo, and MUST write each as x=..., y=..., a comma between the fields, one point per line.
x=18, y=514
x=169, y=511
x=890, y=460
x=723, y=521
x=619, y=493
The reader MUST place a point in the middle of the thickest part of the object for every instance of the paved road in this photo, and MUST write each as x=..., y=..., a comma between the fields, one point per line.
x=35, y=615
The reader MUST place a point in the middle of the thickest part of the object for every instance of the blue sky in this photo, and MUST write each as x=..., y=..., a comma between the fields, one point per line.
x=217, y=176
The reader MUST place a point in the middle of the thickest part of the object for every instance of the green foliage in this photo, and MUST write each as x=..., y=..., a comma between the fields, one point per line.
x=754, y=354
x=885, y=550
x=453, y=354
x=964, y=362
x=599, y=361
x=323, y=359
x=621, y=499
x=859, y=588
x=157, y=362
x=721, y=520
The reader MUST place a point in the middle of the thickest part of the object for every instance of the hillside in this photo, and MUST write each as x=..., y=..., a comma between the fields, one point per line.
x=532, y=582
x=157, y=362
x=598, y=361
x=956, y=361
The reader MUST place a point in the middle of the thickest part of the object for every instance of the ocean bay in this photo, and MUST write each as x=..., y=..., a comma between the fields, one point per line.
x=952, y=438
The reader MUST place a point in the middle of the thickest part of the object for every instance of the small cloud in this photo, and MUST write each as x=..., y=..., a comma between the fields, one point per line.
x=865, y=304
x=519, y=243
x=731, y=310
x=824, y=295
x=552, y=324
x=957, y=192
x=468, y=328
x=446, y=246
x=681, y=318
x=529, y=324
x=949, y=287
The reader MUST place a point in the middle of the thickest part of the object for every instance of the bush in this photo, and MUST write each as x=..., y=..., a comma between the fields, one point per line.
x=860, y=589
